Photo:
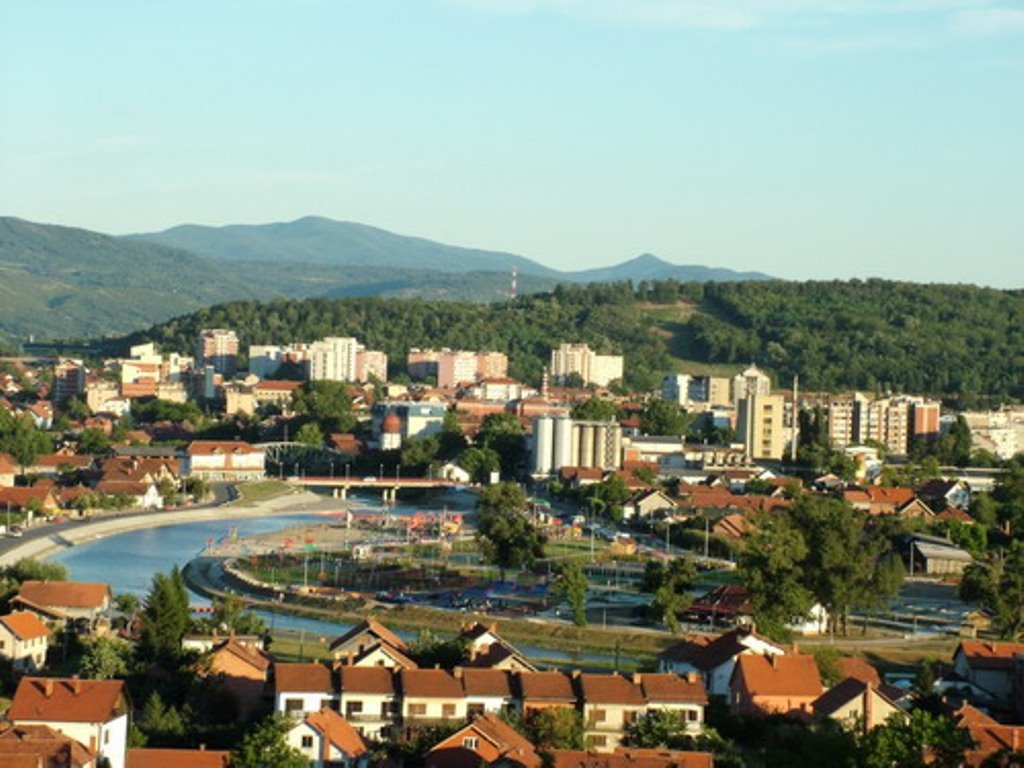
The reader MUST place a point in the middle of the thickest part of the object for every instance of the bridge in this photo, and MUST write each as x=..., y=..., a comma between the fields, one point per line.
x=388, y=486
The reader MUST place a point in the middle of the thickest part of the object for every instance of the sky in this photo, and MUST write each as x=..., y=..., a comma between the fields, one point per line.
x=809, y=139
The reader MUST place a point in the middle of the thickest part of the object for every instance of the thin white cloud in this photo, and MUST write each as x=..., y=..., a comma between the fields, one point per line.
x=716, y=14
x=984, y=22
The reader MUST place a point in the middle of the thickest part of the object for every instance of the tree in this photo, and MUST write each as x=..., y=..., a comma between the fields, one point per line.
x=93, y=441
x=25, y=442
x=162, y=725
x=503, y=434
x=28, y=569
x=572, y=587
x=310, y=434
x=266, y=746
x=419, y=454
x=105, y=658
x=165, y=617
x=556, y=728
x=327, y=403
x=925, y=739
x=480, y=463
x=770, y=564
x=658, y=728
x=595, y=409
x=506, y=536
x=229, y=614
x=998, y=586
x=663, y=417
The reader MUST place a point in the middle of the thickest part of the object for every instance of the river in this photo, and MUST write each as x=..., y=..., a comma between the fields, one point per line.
x=128, y=561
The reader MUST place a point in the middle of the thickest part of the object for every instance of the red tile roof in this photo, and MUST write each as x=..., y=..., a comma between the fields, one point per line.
x=430, y=684
x=485, y=682
x=40, y=745
x=337, y=731
x=66, y=594
x=984, y=654
x=546, y=686
x=301, y=678
x=24, y=625
x=627, y=757
x=610, y=689
x=210, y=447
x=779, y=675
x=377, y=630
x=670, y=688
x=511, y=746
x=379, y=680
x=67, y=700
x=856, y=667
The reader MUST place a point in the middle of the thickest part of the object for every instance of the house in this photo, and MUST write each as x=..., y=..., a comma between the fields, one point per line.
x=932, y=555
x=486, y=690
x=774, y=684
x=733, y=526
x=243, y=671
x=139, y=757
x=684, y=695
x=540, y=690
x=301, y=688
x=939, y=493
x=8, y=470
x=990, y=737
x=20, y=499
x=989, y=666
x=327, y=740
x=631, y=757
x=143, y=494
x=71, y=599
x=726, y=604
x=486, y=648
x=430, y=697
x=646, y=503
x=56, y=464
x=223, y=460
x=380, y=655
x=856, y=704
x=40, y=746
x=714, y=660
x=368, y=697
x=23, y=641
x=363, y=636
x=610, y=703
x=486, y=741
x=92, y=712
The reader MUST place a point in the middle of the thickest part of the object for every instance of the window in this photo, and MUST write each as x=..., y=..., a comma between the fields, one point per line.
x=597, y=715
x=327, y=704
x=353, y=708
x=473, y=710
x=307, y=742
x=292, y=706
x=597, y=741
x=417, y=710
x=106, y=737
x=691, y=715
x=448, y=710
x=469, y=742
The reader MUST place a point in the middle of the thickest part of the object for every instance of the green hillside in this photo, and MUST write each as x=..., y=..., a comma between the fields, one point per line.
x=949, y=340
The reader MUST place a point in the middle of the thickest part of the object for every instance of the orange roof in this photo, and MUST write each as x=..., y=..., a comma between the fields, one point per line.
x=66, y=594
x=485, y=682
x=210, y=447
x=279, y=385
x=375, y=628
x=56, y=460
x=897, y=496
x=549, y=686
x=338, y=732
x=7, y=464
x=673, y=688
x=984, y=654
x=35, y=745
x=24, y=625
x=378, y=680
x=19, y=497
x=177, y=758
x=254, y=657
x=300, y=678
x=856, y=667
x=610, y=689
x=430, y=684
x=67, y=700
x=779, y=675
x=512, y=747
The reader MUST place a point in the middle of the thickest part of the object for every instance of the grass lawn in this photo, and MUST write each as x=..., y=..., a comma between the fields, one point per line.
x=260, y=490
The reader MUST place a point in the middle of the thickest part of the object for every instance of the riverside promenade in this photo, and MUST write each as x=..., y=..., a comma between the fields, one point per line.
x=45, y=539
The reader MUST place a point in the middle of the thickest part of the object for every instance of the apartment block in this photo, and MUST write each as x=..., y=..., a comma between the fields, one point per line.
x=579, y=359
x=761, y=425
x=218, y=348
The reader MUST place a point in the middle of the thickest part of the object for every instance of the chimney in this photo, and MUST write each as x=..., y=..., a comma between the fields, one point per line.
x=457, y=672
x=351, y=658
x=868, y=707
x=575, y=674
x=493, y=628
x=796, y=649
x=635, y=677
x=48, y=687
x=691, y=677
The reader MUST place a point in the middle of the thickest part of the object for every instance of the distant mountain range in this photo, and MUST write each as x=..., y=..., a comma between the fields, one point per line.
x=325, y=242
x=61, y=282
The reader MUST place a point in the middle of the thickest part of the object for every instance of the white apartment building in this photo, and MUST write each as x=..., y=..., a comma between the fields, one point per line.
x=593, y=368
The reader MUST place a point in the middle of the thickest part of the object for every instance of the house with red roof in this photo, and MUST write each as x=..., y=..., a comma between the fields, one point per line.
x=363, y=636
x=715, y=658
x=302, y=688
x=430, y=697
x=39, y=746
x=631, y=757
x=23, y=641
x=486, y=741
x=774, y=684
x=243, y=670
x=92, y=712
x=857, y=705
x=223, y=460
x=8, y=470
x=151, y=757
x=71, y=599
x=989, y=666
x=610, y=703
x=328, y=741
x=369, y=699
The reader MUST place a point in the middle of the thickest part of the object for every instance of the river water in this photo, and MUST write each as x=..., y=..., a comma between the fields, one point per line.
x=128, y=561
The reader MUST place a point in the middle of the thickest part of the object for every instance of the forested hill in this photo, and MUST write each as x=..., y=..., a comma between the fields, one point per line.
x=875, y=335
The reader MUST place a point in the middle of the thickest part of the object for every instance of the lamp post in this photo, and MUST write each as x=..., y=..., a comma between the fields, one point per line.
x=668, y=541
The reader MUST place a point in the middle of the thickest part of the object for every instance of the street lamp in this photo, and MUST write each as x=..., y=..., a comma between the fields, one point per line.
x=668, y=542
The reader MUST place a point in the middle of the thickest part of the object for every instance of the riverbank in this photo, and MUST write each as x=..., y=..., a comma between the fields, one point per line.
x=72, y=534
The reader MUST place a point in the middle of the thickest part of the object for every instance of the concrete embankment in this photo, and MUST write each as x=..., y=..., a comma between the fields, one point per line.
x=73, y=534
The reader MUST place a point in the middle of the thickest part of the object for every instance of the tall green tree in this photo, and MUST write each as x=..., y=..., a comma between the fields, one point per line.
x=572, y=587
x=503, y=434
x=998, y=585
x=327, y=403
x=925, y=739
x=266, y=746
x=556, y=728
x=595, y=409
x=105, y=658
x=663, y=417
x=506, y=535
x=310, y=434
x=165, y=617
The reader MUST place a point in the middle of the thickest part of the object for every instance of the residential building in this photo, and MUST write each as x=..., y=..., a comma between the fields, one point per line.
x=610, y=704
x=416, y=419
x=327, y=740
x=243, y=671
x=541, y=690
x=774, y=684
x=333, y=358
x=39, y=746
x=68, y=380
x=989, y=666
x=486, y=690
x=217, y=348
x=23, y=641
x=631, y=757
x=302, y=688
x=761, y=425
x=430, y=697
x=485, y=648
x=452, y=367
x=92, y=712
x=486, y=741
x=369, y=699
x=591, y=367
x=715, y=659
x=455, y=367
x=223, y=460
x=752, y=382
x=366, y=634
x=71, y=599
x=371, y=364
x=8, y=470
x=682, y=694
x=856, y=705
x=924, y=420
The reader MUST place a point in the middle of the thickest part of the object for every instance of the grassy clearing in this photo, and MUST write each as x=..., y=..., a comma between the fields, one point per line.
x=260, y=490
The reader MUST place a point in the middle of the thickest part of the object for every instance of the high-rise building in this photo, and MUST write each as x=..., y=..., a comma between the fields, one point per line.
x=332, y=359
x=761, y=425
x=218, y=348
x=68, y=380
x=751, y=382
x=924, y=420
x=456, y=367
x=591, y=367
x=371, y=364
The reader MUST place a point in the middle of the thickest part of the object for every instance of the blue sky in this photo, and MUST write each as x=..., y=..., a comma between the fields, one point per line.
x=804, y=138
